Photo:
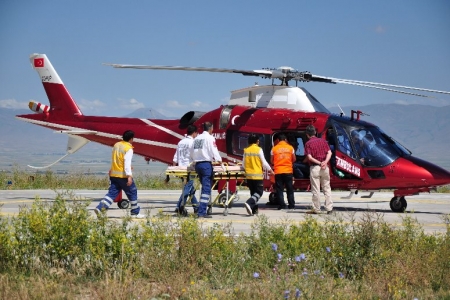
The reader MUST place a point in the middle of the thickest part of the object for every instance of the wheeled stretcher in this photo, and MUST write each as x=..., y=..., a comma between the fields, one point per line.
x=226, y=179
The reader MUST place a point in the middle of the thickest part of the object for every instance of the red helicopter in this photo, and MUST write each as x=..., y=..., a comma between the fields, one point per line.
x=265, y=110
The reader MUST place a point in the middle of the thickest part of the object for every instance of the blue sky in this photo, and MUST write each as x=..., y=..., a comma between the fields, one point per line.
x=398, y=42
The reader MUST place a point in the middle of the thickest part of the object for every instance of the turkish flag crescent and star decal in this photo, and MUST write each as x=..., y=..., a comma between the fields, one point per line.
x=39, y=62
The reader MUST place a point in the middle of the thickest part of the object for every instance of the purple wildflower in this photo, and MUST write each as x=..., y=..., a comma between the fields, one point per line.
x=274, y=247
x=341, y=275
x=256, y=275
x=279, y=256
x=302, y=256
x=298, y=259
x=298, y=293
x=286, y=294
x=328, y=249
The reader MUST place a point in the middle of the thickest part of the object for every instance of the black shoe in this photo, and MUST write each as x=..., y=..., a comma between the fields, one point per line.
x=281, y=207
x=177, y=210
x=330, y=212
x=205, y=217
x=255, y=210
x=181, y=210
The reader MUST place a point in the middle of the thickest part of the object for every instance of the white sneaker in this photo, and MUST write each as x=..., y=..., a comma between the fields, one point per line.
x=248, y=208
x=138, y=216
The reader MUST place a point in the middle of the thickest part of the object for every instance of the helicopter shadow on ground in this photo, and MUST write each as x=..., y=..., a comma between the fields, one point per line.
x=352, y=209
x=377, y=210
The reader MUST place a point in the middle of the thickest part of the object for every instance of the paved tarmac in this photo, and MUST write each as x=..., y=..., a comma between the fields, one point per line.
x=431, y=210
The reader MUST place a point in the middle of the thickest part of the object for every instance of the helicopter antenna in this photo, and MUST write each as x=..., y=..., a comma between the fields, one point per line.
x=342, y=112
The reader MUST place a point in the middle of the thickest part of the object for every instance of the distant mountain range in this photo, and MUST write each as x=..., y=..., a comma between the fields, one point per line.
x=146, y=113
x=422, y=129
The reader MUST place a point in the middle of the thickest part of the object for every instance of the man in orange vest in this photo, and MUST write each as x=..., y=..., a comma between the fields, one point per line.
x=254, y=162
x=282, y=158
x=121, y=177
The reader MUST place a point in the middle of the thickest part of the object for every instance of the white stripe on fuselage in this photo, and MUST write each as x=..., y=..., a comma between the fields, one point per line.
x=115, y=136
x=171, y=132
x=99, y=133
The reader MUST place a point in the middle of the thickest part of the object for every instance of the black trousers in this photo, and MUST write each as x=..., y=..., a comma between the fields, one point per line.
x=285, y=181
x=256, y=190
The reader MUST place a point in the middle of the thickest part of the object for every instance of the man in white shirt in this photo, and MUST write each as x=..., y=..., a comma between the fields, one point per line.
x=204, y=152
x=183, y=158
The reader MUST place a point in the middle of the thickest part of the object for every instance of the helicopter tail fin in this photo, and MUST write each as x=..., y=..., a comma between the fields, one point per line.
x=62, y=105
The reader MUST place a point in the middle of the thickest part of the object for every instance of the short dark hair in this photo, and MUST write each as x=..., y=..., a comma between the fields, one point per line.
x=310, y=130
x=207, y=126
x=128, y=135
x=191, y=129
x=281, y=137
x=253, y=138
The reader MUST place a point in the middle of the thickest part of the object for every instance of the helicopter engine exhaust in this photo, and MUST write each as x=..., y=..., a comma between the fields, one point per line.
x=190, y=117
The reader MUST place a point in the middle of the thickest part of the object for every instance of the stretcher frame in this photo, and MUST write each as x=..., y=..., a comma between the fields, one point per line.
x=224, y=172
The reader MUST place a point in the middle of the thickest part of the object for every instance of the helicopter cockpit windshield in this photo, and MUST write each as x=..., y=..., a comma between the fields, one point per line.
x=367, y=144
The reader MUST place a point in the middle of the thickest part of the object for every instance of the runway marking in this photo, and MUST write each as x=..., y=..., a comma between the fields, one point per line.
x=18, y=201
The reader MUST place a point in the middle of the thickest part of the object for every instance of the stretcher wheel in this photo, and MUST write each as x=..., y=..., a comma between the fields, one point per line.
x=123, y=204
x=223, y=199
x=209, y=210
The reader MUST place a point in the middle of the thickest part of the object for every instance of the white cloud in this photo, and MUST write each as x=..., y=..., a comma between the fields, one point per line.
x=130, y=104
x=198, y=104
x=13, y=103
x=90, y=105
x=175, y=104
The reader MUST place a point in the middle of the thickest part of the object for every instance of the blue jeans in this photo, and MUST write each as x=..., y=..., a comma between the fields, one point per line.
x=188, y=190
x=116, y=186
x=204, y=171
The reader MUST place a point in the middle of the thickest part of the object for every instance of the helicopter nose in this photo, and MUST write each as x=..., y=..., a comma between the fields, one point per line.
x=428, y=172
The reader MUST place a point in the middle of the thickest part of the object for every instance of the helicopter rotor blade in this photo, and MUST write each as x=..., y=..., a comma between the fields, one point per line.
x=385, y=89
x=286, y=74
x=338, y=80
x=263, y=73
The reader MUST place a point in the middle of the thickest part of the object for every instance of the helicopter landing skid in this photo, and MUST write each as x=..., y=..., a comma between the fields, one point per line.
x=355, y=192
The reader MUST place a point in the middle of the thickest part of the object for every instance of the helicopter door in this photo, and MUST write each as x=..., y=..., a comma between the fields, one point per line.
x=343, y=161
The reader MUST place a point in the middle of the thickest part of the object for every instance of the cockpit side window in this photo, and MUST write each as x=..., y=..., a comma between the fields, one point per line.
x=343, y=141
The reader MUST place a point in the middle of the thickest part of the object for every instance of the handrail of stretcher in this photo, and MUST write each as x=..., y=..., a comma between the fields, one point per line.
x=223, y=171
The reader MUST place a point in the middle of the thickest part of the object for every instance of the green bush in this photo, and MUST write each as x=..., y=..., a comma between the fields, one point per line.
x=57, y=250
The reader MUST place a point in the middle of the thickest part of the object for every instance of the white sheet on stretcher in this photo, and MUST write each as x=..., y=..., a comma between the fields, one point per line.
x=216, y=169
